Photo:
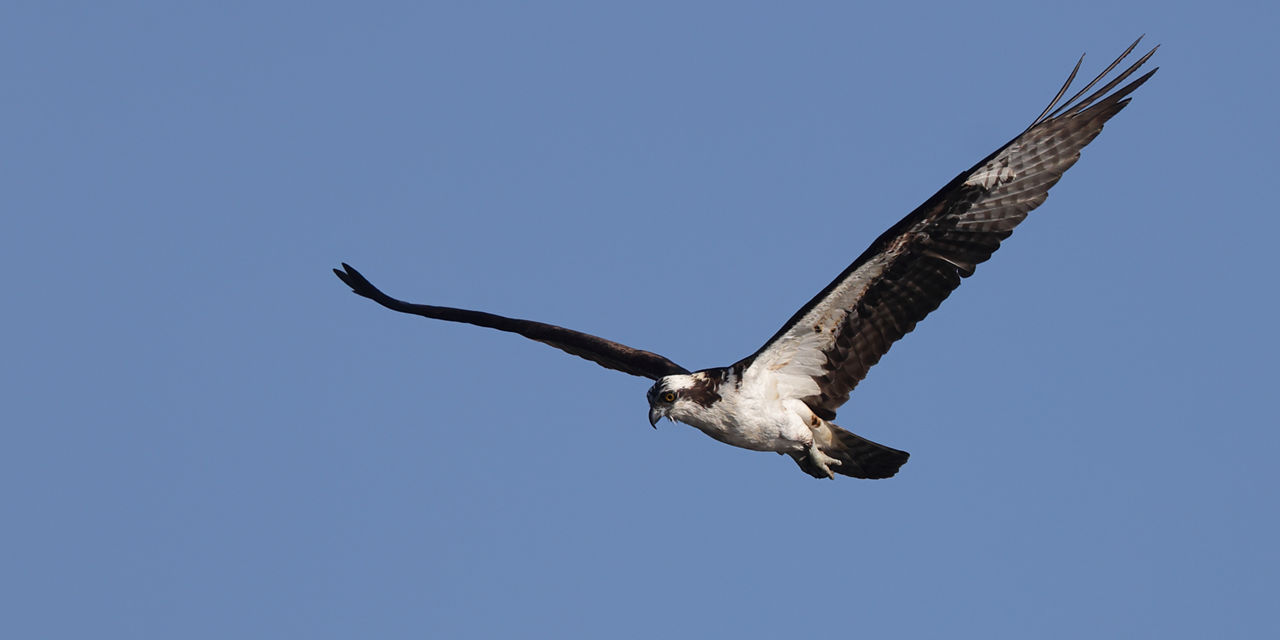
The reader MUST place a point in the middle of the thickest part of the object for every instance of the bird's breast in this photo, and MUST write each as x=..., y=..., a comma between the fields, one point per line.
x=749, y=423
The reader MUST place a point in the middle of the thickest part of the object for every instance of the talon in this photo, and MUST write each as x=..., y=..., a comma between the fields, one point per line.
x=823, y=461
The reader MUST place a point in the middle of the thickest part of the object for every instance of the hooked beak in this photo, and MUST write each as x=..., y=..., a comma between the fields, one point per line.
x=655, y=414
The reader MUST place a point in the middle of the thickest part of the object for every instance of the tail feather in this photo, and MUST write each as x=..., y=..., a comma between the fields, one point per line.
x=859, y=457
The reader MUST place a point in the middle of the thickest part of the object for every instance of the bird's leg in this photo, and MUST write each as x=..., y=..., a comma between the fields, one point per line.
x=822, y=461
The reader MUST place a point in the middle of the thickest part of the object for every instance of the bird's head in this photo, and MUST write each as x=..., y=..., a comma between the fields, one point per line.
x=667, y=394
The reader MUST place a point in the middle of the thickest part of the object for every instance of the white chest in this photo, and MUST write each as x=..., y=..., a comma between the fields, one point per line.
x=745, y=417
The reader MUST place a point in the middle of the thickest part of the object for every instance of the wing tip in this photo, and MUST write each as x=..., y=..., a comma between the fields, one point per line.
x=349, y=276
x=1080, y=102
x=359, y=284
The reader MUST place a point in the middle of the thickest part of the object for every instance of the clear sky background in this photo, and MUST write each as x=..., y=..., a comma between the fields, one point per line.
x=205, y=435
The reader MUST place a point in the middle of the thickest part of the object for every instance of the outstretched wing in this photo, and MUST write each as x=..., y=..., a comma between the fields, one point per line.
x=606, y=353
x=826, y=348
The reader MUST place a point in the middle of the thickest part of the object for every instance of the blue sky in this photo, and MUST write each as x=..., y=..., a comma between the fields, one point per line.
x=207, y=436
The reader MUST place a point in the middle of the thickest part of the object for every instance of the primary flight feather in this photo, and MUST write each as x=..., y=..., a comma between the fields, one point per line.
x=783, y=397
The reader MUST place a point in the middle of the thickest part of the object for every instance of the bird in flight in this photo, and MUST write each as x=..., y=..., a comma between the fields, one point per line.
x=783, y=397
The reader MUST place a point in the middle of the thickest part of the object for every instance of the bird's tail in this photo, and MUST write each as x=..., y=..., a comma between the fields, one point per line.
x=859, y=457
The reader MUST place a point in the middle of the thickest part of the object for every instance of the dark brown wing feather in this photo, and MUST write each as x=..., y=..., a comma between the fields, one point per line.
x=910, y=269
x=606, y=353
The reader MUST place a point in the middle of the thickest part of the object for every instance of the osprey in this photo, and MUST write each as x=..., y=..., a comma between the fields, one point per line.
x=783, y=397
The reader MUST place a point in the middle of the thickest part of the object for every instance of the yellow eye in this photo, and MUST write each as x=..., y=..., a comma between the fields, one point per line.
x=668, y=397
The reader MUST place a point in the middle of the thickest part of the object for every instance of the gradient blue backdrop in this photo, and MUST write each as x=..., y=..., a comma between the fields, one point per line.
x=207, y=436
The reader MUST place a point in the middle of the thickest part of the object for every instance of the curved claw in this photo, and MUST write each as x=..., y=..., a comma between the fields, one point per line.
x=823, y=461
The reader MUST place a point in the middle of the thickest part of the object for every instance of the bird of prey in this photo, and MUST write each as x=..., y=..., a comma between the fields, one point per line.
x=783, y=397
